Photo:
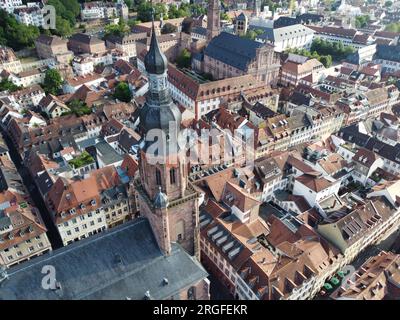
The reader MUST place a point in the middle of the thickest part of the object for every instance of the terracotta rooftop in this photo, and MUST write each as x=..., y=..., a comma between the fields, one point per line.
x=316, y=184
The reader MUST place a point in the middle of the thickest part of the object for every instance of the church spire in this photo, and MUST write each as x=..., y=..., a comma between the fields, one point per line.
x=159, y=112
x=213, y=19
x=155, y=61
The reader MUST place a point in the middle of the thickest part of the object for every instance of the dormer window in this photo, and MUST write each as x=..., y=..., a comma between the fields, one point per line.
x=93, y=202
x=82, y=206
x=72, y=211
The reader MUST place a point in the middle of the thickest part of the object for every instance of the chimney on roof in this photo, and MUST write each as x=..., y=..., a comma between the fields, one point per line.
x=3, y=274
x=147, y=295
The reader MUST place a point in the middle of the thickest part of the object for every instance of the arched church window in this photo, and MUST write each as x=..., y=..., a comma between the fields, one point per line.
x=180, y=230
x=172, y=176
x=158, y=177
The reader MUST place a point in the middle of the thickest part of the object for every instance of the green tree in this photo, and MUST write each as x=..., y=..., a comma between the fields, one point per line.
x=117, y=29
x=271, y=5
x=14, y=34
x=388, y=4
x=197, y=9
x=337, y=50
x=129, y=3
x=52, y=81
x=252, y=34
x=362, y=21
x=184, y=59
x=133, y=22
x=80, y=108
x=144, y=11
x=122, y=92
x=168, y=28
x=66, y=9
x=63, y=27
x=326, y=60
x=393, y=27
x=7, y=85
x=224, y=16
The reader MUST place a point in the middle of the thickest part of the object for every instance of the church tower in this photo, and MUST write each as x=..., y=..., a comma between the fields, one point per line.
x=164, y=195
x=213, y=19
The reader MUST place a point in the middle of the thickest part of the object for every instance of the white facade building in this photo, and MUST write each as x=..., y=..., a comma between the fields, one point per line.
x=10, y=5
x=294, y=36
x=30, y=15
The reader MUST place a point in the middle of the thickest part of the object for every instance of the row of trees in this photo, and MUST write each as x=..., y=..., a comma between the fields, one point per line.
x=144, y=11
x=123, y=28
x=326, y=60
x=337, y=50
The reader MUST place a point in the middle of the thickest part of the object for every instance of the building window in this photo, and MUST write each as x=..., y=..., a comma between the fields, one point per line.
x=158, y=177
x=172, y=176
x=180, y=230
x=191, y=294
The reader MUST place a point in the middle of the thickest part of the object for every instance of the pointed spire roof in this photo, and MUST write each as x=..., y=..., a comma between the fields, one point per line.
x=155, y=61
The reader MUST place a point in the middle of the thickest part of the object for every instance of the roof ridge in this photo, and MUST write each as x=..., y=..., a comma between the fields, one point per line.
x=84, y=242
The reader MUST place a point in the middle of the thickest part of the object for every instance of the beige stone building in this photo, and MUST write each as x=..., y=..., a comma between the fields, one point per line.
x=228, y=55
x=85, y=43
x=82, y=208
x=9, y=61
x=22, y=231
x=53, y=47
x=297, y=67
x=377, y=279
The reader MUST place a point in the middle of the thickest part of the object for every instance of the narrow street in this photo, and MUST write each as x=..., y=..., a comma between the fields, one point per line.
x=217, y=290
x=52, y=232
